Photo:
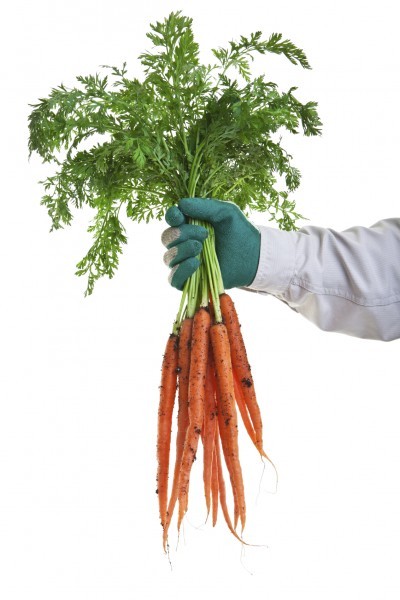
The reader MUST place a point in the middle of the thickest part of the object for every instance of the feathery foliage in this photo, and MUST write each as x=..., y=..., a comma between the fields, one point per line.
x=187, y=129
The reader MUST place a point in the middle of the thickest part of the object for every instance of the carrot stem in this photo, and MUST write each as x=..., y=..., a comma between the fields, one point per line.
x=182, y=309
x=213, y=271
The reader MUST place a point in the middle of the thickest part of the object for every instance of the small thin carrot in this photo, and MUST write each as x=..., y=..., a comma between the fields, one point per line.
x=227, y=416
x=197, y=381
x=244, y=411
x=214, y=481
x=185, y=338
x=241, y=366
x=208, y=434
x=222, y=491
x=165, y=409
x=230, y=466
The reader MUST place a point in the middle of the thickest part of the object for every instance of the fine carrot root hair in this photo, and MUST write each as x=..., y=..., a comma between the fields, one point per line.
x=165, y=409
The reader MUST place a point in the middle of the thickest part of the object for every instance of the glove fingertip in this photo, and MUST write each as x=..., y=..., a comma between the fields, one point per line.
x=174, y=217
x=181, y=272
x=207, y=209
x=192, y=207
x=203, y=233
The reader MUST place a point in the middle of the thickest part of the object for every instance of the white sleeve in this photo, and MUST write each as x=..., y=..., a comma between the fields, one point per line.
x=348, y=282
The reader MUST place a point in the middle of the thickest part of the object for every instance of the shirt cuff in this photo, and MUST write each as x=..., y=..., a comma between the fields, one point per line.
x=277, y=261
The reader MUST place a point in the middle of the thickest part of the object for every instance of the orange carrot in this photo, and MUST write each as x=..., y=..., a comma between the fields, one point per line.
x=222, y=491
x=197, y=381
x=214, y=481
x=230, y=467
x=227, y=416
x=208, y=435
x=185, y=338
x=165, y=409
x=241, y=366
x=243, y=410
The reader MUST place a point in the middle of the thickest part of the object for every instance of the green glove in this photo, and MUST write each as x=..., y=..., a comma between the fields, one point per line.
x=237, y=241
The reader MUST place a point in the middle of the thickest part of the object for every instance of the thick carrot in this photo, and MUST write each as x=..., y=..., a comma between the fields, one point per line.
x=208, y=434
x=197, y=384
x=241, y=366
x=227, y=416
x=165, y=409
x=185, y=338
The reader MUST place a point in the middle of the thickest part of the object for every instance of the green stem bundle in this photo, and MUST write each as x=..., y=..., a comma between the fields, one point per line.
x=205, y=284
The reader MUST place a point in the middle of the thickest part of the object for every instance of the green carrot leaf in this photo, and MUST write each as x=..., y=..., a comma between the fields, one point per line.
x=186, y=129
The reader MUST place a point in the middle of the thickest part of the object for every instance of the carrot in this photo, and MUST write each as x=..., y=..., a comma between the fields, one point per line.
x=227, y=416
x=229, y=465
x=185, y=338
x=208, y=435
x=222, y=491
x=197, y=381
x=165, y=409
x=241, y=366
x=214, y=481
x=243, y=409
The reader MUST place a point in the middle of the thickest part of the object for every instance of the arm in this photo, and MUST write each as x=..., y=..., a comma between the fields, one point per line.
x=348, y=282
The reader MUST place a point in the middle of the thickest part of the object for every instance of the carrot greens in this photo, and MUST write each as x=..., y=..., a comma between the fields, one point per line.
x=187, y=129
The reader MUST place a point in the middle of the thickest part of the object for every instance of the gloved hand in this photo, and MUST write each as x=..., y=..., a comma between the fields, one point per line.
x=237, y=241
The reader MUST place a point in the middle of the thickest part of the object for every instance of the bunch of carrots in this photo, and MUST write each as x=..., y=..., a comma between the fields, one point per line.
x=206, y=361
x=186, y=130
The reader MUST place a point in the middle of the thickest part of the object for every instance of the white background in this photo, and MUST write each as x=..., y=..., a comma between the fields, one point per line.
x=79, y=384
